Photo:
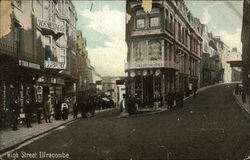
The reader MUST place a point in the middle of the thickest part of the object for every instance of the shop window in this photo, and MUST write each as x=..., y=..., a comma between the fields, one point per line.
x=140, y=23
x=154, y=50
x=154, y=22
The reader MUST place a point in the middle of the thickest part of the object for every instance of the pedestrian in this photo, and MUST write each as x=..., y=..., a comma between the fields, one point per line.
x=157, y=100
x=123, y=103
x=170, y=99
x=243, y=96
x=236, y=91
x=39, y=110
x=64, y=110
x=75, y=110
x=58, y=112
x=194, y=89
x=47, y=109
x=15, y=114
x=190, y=87
x=28, y=112
x=181, y=97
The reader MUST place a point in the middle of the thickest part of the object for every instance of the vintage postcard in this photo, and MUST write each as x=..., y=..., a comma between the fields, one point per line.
x=124, y=79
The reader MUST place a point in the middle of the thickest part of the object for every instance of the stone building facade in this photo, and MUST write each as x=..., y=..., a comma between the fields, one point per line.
x=164, y=49
x=38, y=53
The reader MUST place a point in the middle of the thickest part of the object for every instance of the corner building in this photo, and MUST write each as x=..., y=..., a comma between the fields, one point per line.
x=164, y=49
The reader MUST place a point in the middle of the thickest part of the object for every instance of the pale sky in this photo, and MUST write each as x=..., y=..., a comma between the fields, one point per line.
x=103, y=25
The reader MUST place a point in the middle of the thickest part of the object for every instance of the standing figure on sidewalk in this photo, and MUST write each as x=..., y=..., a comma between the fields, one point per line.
x=75, y=110
x=65, y=111
x=190, y=87
x=194, y=89
x=47, y=109
x=15, y=114
x=181, y=96
x=170, y=99
x=236, y=91
x=157, y=100
x=39, y=111
x=28, y=112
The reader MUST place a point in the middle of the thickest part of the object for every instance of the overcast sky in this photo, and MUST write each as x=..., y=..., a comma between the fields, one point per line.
x=103, y=25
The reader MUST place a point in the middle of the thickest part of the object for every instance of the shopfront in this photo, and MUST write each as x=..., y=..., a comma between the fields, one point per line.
x=17, y=83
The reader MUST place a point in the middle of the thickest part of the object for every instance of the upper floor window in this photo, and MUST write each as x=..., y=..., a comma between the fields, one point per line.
x=140, y=23
x=154, y=50
x=139, y=50
x=154, y=22
x=171, y=23
x=154, y=17
x=140, y=18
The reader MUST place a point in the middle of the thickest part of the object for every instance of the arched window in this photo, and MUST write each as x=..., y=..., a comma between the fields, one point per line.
x=155, y=17
x=167, y=24
x=140, y=19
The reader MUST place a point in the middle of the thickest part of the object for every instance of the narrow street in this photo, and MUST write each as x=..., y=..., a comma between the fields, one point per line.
x=210, y=126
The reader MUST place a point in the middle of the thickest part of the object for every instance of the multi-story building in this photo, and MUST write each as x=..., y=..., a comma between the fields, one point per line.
x=20, y=56
x=164, y=48
x=82, y=68
x=38, y=51
x=213, y=58
x=232, y=73
x=245, y=38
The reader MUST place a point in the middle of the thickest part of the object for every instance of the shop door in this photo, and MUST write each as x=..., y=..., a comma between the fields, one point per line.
x=148, y=91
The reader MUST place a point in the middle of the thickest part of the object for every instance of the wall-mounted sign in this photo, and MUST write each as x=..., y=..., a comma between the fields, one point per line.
x=146, y=64
x=50, y=25
x=54, y=65
x=27, y=64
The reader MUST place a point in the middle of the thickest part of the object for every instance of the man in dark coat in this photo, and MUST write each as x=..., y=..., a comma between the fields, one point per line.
x=75, y=110
x=28, y=112
x=15, y=114
x=170, y=99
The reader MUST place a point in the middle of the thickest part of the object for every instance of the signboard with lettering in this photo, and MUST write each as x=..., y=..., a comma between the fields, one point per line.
x=27, y=64
x=54, y=65
x=51, y=25
x=146, y=64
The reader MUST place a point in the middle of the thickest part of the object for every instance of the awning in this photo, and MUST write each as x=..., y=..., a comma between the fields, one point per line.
x=236, y=63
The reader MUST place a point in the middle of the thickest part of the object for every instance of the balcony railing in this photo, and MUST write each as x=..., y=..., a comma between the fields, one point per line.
x=7, y=47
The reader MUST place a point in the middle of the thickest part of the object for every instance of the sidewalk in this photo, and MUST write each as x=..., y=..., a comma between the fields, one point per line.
x=10, y=139
x=244, y=106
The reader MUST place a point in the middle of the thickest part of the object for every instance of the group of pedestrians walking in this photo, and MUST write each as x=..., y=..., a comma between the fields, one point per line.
x=240, y=91
x=40, y=109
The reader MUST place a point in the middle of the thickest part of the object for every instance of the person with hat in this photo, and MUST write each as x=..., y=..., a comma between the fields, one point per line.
x=47, y=109
x=28, y=112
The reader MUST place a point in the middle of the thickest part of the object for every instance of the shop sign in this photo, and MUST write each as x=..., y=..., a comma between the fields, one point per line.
x=146, y=64
x=50, y=25
x=27, y=64
x=54, y=65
